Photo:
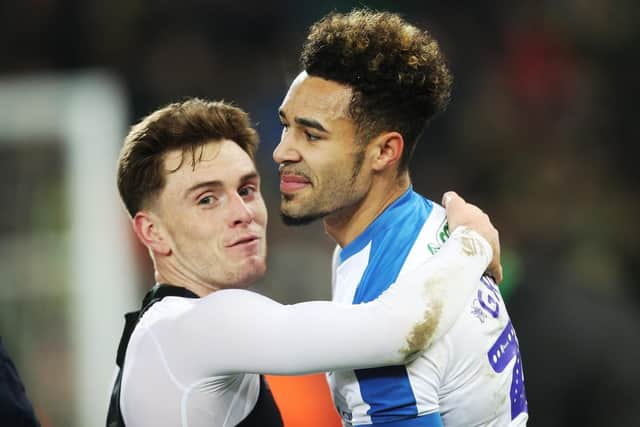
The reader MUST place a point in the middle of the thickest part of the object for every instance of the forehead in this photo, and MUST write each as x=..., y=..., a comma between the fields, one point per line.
x=310, y=96
x=222, y=161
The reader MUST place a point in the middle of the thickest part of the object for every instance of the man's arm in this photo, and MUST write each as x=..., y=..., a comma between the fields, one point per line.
x=241, y=331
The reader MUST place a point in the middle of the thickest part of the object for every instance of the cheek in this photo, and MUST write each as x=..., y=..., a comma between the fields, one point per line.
x=260, y=212
x=324, y=169
x=339, y=170
x=204, y=231
x=263, y=218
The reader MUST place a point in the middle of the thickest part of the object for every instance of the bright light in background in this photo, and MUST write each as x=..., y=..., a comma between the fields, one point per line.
x=80, y=274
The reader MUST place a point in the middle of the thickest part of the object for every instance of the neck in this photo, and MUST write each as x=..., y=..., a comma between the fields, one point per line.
x=348, y=223
x=167, y=274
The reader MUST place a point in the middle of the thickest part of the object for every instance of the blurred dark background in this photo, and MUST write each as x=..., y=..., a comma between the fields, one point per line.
x=540, y=134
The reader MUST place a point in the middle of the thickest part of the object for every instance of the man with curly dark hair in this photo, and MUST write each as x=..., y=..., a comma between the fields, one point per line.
x=351, y=120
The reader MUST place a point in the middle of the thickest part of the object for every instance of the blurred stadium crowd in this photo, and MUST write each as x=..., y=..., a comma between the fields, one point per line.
x=539, y=133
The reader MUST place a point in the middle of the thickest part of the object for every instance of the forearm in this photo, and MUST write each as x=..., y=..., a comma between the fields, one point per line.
x=246, y=332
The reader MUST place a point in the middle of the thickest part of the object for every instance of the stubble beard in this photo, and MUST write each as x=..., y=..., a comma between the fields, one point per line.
x=290, y=220
x=320, y=211
x=247, y=275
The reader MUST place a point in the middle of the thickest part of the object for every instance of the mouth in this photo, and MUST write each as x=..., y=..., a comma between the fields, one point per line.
x=245, y=240
x=290, y=183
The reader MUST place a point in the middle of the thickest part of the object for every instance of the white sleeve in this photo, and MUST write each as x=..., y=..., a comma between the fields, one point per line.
x=234, y=331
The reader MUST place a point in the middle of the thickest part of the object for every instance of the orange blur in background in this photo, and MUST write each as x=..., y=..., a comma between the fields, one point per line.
x=304, y=401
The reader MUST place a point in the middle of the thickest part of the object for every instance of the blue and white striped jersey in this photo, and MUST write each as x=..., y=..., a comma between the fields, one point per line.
x=472, y=376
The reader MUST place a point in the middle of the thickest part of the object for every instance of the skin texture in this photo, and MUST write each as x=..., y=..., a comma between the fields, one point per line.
x=320, y=173
x=325, y=172
x=206, y=227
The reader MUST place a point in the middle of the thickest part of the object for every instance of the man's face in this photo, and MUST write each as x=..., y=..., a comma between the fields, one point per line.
x=320, y=162
x=214, y=216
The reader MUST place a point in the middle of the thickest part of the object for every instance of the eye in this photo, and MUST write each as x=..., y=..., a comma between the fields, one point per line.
x=247, y=191
x=207, y=200
x=311, y=137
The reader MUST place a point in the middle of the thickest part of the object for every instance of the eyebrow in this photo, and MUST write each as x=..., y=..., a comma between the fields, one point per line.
x=305, y=122
x=219, y=184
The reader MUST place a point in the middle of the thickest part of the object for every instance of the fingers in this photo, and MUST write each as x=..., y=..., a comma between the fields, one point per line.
x=495, y=268
x=458, y=210
x=451, y=197
x=460, y=213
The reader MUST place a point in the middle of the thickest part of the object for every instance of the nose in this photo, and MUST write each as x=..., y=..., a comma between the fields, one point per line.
x=240, y=212
x=285, y=151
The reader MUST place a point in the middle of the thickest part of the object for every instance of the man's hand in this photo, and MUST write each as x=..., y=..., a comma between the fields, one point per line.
x=460, y=212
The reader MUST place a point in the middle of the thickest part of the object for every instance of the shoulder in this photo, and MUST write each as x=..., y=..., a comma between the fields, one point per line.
x=433, y=233
x=167, y=308
x=435, y=230
x=177, y=327
x=174, y=310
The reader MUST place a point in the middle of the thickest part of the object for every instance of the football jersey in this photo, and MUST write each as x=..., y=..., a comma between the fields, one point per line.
x=194, y=361
x=472, y=376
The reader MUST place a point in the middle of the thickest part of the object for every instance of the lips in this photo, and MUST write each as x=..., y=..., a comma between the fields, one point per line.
x=243, y=241
x=290, y=183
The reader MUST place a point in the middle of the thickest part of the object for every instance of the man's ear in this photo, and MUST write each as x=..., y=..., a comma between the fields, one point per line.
x=147, y=228
x=387, y=148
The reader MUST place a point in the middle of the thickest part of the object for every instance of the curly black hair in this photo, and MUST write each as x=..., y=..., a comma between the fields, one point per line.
x=398, y=74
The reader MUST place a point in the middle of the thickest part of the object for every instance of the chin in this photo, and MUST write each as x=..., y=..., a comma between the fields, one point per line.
x=254, y=270
x=290, y=217
x=246, y=280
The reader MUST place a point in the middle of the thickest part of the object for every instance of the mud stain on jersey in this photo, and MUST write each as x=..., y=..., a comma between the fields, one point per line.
x=470, y=246
x=422, y=333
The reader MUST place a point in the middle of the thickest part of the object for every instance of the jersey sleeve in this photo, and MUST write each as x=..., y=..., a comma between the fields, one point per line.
x=234, y=331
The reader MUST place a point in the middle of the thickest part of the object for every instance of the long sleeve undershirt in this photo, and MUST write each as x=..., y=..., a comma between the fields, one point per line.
x=181, y=344
x=241, y=331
